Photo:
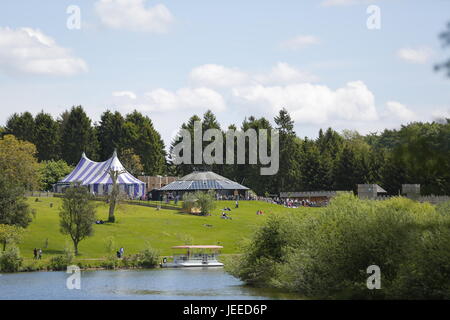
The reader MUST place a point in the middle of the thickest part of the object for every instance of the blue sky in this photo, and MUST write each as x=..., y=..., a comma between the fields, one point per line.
x=171, y=59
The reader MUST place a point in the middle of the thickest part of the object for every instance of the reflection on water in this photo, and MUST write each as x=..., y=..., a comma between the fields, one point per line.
x=125, y=284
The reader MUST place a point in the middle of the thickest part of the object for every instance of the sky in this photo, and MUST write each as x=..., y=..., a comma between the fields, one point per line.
x=347, y=64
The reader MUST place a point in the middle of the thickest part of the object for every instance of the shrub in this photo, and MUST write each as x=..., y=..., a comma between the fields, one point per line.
x=111, y=262
x=189, y=202
x=326, y=253
x=131, y=261
x=148, y=258
x=425, y=272
x=444, y=208
x=205, y=201
x=10, y=260
x=60, y=263
x=34, y=265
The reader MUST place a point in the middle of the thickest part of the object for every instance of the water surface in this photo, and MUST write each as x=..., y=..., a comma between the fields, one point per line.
x=196, y=283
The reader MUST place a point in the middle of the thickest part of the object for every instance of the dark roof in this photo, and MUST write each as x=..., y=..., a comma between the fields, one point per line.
x=203, y=181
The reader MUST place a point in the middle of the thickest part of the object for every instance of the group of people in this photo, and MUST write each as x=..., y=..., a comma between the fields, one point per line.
x=299, y=203
x=294, y=203
x=37, y=254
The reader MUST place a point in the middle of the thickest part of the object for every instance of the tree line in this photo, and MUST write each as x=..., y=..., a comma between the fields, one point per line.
x=416, y=153
x=73, y=133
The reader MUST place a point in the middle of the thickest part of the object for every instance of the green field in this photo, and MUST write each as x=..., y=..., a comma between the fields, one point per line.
x=138, y=226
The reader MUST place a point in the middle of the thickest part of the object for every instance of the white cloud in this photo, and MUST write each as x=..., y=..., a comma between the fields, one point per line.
x=162, y=100
x=283, y=73
x=129, y=94
x=30, y=51
x=301, y=42
x=415, y=55
x=218, y=76
x=441, y=114
x=133, y=15
x=335, y=3
x=185, y=98
x=314, y=104
x=399, y=111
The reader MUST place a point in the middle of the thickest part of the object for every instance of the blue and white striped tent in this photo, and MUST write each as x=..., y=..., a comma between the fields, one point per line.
x=96, y=176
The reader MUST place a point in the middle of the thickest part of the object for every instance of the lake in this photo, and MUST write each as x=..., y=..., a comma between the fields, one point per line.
x=157, y=284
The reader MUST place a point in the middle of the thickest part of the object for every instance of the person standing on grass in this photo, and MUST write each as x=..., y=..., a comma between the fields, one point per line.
x=121, y=252
x=40, y=254
x=35, y=253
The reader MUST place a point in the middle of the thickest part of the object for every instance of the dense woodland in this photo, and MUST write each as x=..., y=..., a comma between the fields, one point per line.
x=416, y=153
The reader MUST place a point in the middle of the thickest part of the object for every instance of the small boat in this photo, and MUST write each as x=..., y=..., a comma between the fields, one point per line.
x=195, y=256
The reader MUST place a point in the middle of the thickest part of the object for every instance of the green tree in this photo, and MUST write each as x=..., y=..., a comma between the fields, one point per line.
x=205, y=201
x=110, y=133
x=131, y=162
x=78, y=136
x=424, y=150
x=288, y=177
x=10, y=260
x=250, y=174
x=18, y=162
x=52, y=172
x=77, y=215
x=330, y=143
x=185, y=168
x=316, y=169
x=210, y=122
x=47, y=138
x=347, y=172
x=141, y=136
x=14, y=209
x=21, y=126
x=10, y=234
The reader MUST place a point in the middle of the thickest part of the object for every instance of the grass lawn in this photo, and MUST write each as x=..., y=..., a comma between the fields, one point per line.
x=137, y=227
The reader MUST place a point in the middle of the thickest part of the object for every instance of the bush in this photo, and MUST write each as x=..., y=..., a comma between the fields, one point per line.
x=60, y=263
x=148, y=258
x=10, y=260
x=444, y=208
x=205, y=201
x=131, y=261
x=325, y=254
x=34, y=266
x=425, y=272
x=189, y=202
x=111, y=262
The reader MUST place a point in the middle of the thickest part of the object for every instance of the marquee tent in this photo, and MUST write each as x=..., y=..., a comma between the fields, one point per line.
x=96, y=176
